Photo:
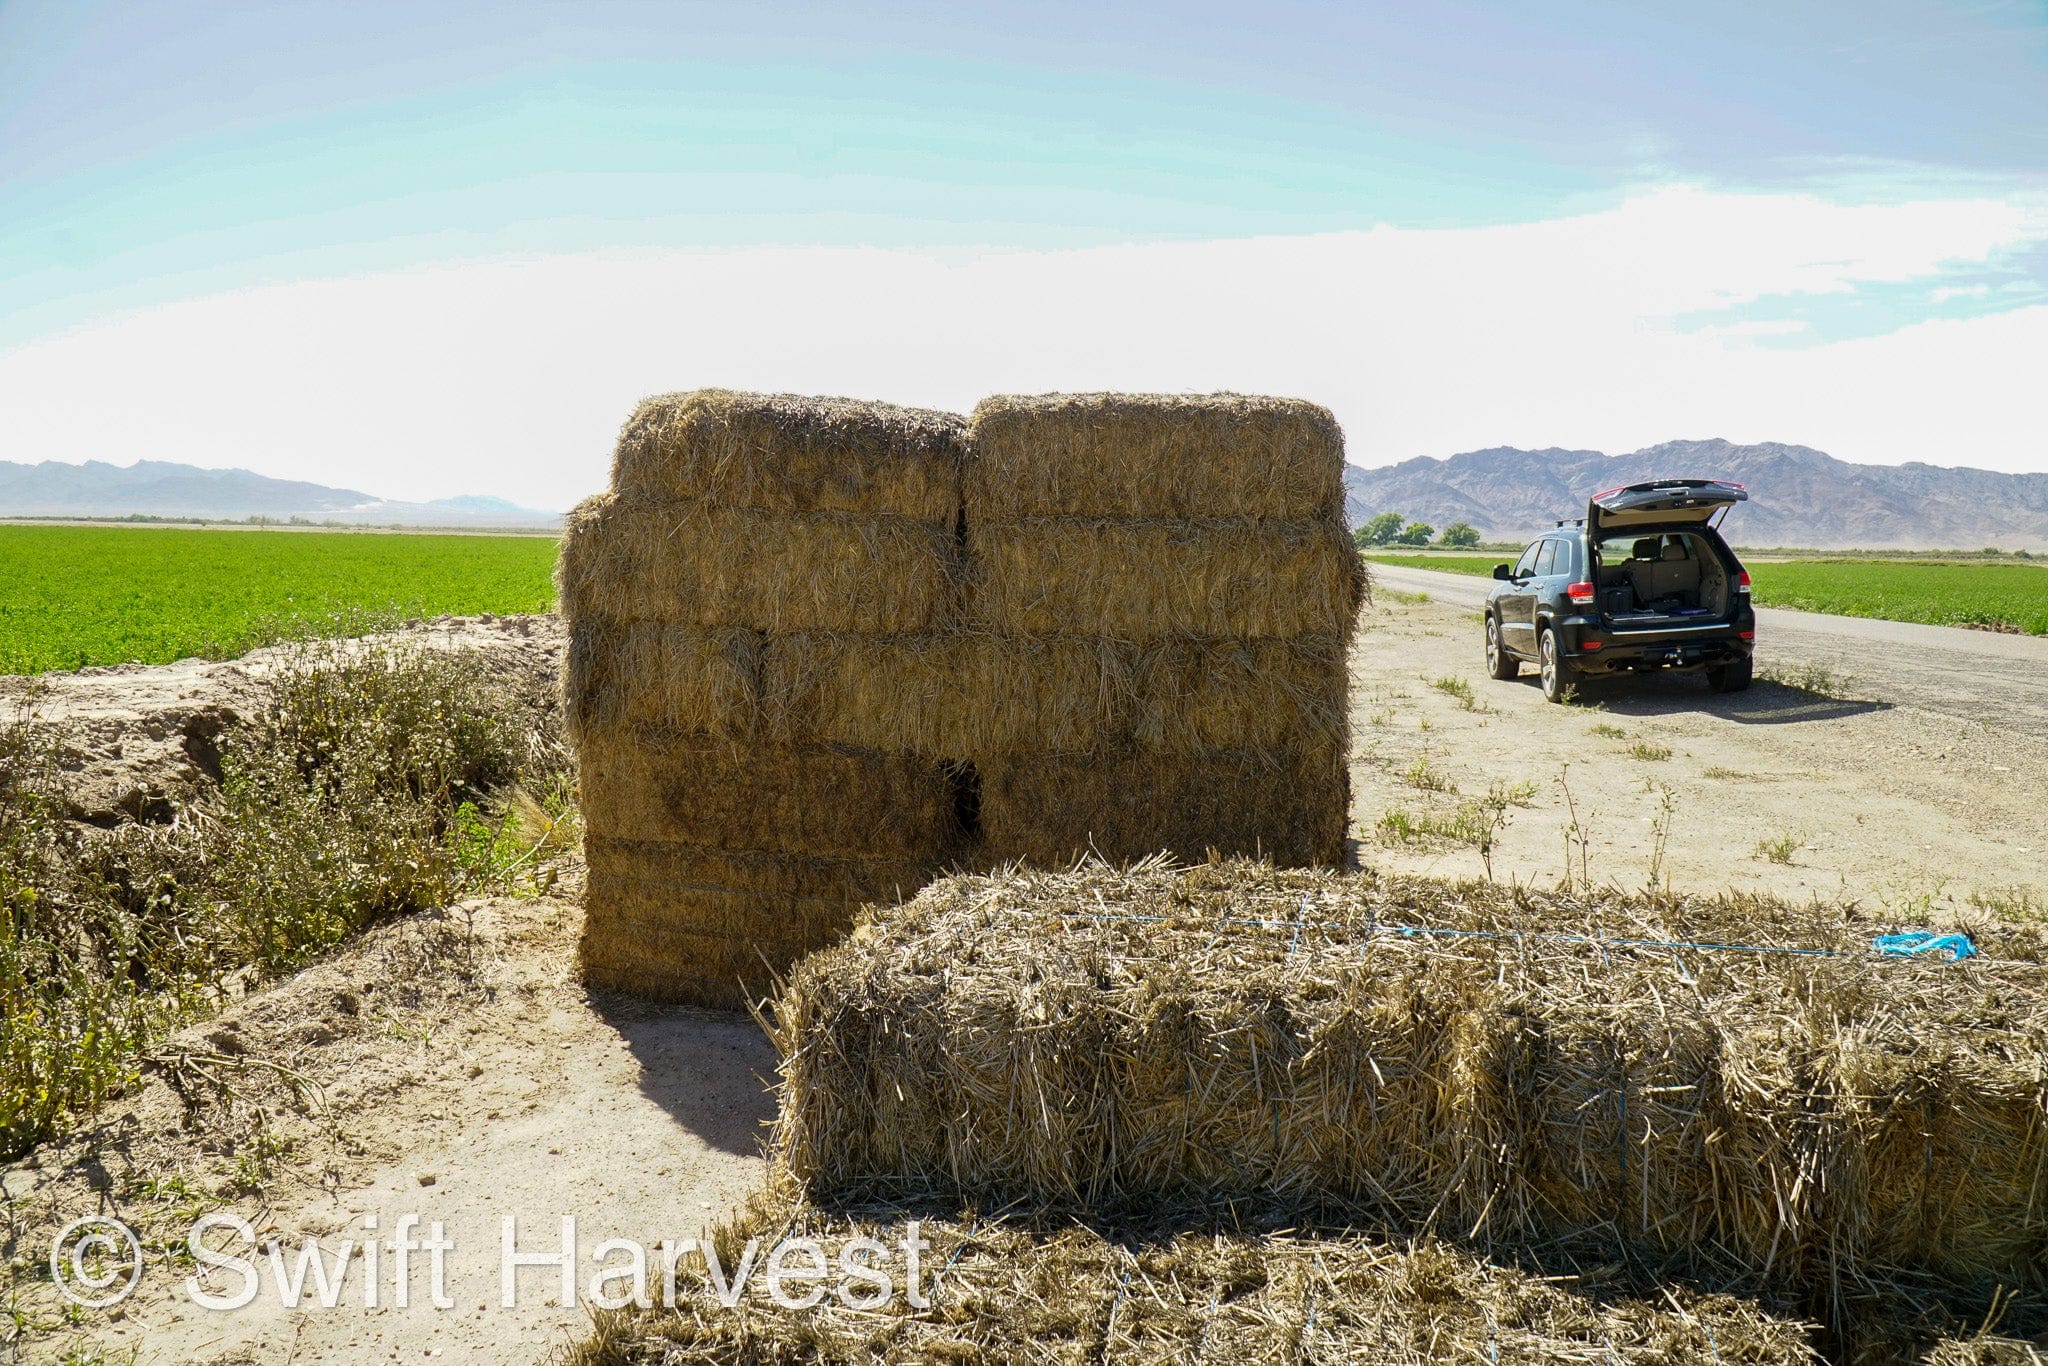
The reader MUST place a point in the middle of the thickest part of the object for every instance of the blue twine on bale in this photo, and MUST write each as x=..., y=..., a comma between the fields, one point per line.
x=1915, y=944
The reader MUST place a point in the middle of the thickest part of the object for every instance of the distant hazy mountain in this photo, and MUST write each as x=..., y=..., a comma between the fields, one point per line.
x=1798, y=496
x=158, y=488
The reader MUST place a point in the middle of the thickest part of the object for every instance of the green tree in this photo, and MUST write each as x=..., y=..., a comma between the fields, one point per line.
x=1381, y=530
x=1459, y=536
x=1415, y=533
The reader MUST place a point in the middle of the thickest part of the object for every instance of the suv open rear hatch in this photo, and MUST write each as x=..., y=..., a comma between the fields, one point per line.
x=1661, y=502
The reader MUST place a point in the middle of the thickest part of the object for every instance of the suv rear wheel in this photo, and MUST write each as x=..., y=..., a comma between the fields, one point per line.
x=1559, y=677
x=1499, y=662
x=1733, y=676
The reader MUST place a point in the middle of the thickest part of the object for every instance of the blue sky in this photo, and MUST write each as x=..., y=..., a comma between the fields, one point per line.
x=172, y=156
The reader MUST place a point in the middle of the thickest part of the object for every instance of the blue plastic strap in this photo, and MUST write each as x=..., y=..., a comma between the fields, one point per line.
x=1924, y=944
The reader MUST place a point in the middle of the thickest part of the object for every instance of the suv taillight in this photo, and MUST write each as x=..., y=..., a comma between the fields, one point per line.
x=1580, y=592
x=1742, y=581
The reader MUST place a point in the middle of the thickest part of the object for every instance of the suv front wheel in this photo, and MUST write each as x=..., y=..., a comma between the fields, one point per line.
x=1499, y=662
x=1559, y=677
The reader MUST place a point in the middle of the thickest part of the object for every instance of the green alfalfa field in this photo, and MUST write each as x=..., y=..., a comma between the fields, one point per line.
x=72, y=596
x=2001, y=594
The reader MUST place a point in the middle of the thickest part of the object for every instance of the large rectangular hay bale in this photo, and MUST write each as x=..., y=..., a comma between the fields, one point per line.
x=643, y=783
x=1675, y=1083
x=1151, y=579
x=697, y=564
x=712, y=927
x=682, y=678
x=1154, y=455
x=1288, y=805
x=973, y=695
x=786, y=453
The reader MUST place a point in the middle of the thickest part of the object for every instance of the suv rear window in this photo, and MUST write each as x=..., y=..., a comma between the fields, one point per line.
x=1546, y=559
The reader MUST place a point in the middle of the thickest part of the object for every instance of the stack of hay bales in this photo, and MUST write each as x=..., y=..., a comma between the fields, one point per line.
x=743, y=535
x=820, y=649
x=1164, y=588
x=1599, y=1074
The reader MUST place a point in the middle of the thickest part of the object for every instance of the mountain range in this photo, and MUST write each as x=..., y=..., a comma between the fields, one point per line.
x=161, y=488
x=1798, y=496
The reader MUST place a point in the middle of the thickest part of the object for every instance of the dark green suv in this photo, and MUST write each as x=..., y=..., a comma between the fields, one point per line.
x=1644, y=582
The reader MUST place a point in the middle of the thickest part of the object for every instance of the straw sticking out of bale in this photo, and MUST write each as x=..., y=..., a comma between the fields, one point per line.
x=1545, y=1069
x=785, y=454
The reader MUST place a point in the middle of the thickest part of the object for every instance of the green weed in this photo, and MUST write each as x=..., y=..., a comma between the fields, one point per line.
x=1644, y=750
x=1778, y=848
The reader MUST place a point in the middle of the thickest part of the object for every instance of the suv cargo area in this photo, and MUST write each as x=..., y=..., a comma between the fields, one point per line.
x=1672, y=577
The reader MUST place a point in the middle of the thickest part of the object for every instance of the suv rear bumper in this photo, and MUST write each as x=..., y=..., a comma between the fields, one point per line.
x=1594, y=649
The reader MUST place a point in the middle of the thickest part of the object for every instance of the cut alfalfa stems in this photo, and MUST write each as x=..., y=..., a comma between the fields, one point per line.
x=1670, y=1082
x=1022, y=1291
x=787, y=453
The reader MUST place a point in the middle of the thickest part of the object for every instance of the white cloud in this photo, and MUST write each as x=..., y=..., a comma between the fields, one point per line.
x=511, y=377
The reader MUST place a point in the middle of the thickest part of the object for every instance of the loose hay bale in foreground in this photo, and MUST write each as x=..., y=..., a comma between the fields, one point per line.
x=1005, y=1292
x=1532, y=1069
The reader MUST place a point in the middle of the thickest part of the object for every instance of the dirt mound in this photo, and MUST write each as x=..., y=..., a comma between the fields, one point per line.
x=141, y=740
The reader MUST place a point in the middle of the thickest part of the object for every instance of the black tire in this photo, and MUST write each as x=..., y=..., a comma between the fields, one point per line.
x=1733, y=676
x=1559, y=677
x=1499, y=662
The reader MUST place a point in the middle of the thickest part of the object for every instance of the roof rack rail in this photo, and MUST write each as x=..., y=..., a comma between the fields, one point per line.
x=1571, y=521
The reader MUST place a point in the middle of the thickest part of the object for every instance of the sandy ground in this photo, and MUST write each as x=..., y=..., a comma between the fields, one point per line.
x=450, y=1066
x=1883, y=798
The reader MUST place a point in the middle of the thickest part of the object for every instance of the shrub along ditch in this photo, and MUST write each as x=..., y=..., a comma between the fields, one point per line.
x=375, y=780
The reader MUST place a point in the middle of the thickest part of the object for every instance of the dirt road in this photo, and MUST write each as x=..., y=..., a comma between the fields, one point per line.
x=1980, y=675
x=1919, y=788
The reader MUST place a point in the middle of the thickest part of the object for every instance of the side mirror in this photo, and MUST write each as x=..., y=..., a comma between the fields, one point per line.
x=1501, y=571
